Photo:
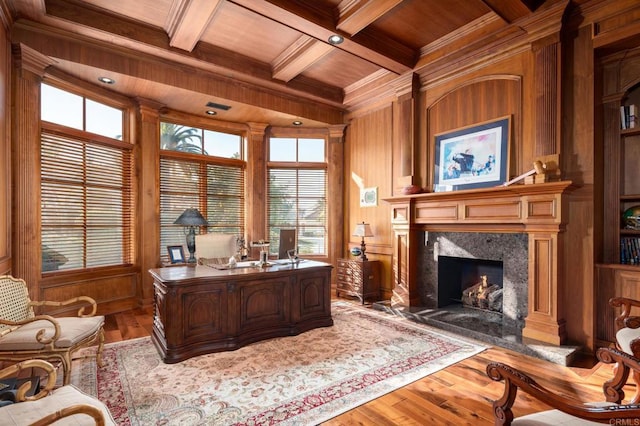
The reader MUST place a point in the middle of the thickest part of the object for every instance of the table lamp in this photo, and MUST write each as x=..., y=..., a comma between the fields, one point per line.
x=191, y=219
x=363, y=230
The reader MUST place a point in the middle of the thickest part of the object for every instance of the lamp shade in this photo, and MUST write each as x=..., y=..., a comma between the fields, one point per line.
x=362, y=230
x=191, y=217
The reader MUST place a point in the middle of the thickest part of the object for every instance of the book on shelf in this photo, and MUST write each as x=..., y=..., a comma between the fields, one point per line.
x=628, y=116
x=630, y=250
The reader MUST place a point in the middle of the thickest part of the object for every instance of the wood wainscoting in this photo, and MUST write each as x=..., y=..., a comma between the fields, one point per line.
x=537, y=210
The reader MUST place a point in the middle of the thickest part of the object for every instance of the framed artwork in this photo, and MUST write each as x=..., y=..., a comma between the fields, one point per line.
x=369, y=197
x=176, y=254
x=472, y=157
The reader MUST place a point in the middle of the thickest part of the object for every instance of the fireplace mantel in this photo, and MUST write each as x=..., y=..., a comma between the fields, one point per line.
x=538, y=210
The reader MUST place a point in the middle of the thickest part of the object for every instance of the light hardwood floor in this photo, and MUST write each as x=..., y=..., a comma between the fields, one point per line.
x=457, y=395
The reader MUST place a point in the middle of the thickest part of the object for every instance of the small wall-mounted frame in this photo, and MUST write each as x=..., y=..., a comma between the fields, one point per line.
x=368, y=197
x=176, y=254
x=472, y=157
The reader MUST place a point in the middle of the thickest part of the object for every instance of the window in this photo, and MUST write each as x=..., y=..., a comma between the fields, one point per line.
x=212, y=182
x=176, y=137
x=297, y=193
x=86, y=199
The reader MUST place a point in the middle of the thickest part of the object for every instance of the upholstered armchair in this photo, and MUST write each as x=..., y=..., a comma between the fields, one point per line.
x=566, y=411
x=628, y=334
x=24, y=335
x=49, y=405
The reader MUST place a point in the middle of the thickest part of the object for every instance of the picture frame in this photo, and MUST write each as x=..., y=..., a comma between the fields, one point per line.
x=471, y=157
x=176, y=254
x=369, y=197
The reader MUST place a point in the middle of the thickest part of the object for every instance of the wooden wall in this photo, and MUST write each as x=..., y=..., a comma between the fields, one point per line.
x=368, y=164
x=5, y=146
x=545, y=83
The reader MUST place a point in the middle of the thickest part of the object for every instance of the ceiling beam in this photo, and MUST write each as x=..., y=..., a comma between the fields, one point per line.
x=511, y=10
x=154, y=41
x=31, y=9
x=187, y=20
x=377, y=49
x=105, y=56
x=353, y=16
x=298, y=57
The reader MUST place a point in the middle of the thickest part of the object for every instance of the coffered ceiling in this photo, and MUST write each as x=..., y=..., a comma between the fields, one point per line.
x=270, y=60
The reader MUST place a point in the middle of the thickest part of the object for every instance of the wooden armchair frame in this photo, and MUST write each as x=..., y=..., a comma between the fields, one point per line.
x=612, y=389
x=45, y=390
x=48, y=337
x=625, y=320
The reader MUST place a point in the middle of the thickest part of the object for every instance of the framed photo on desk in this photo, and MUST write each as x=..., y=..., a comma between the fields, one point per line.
x=176, y=254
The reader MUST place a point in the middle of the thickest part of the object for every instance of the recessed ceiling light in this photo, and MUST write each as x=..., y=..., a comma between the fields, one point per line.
x=297, y=123
x=336, y=39
x=106, y=80
x=210, y=112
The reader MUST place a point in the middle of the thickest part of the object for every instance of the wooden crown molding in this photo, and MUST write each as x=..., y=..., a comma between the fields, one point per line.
x=28, y=59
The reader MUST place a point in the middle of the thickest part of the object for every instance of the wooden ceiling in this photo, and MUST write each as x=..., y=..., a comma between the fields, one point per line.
x=269, y=60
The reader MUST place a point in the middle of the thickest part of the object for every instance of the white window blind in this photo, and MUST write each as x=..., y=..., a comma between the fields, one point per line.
x=86, y=203
x=298, y=199
x=216, y=190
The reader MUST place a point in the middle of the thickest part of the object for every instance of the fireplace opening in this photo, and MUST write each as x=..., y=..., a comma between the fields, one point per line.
x=472, y=283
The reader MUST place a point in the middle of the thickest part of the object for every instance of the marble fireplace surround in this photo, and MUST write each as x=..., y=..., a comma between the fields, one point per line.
x=510, y=249
x=536, y=211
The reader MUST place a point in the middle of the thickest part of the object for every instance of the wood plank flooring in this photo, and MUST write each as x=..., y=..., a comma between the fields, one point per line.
x=457, y=395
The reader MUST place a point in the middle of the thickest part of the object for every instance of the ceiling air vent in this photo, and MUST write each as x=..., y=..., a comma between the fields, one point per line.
x=218, y=106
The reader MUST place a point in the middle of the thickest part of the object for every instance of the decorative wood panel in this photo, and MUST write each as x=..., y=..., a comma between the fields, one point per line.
x=27, y=256
x=205, y=313
x=5, y=151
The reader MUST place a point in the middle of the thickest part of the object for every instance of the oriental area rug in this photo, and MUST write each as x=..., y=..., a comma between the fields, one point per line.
x=297, y=380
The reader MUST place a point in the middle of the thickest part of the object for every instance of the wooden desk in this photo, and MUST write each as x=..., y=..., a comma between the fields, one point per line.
x=199, y=309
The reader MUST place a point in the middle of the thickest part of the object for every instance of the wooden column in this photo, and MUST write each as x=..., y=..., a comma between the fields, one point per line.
x=256, y=183
x=405, y=131
x=405, y=262
x=148, y=205
x=335, y=176
x=544, y=29
x=5, y=151
x=547, y=85
x=29, y=67
x=545, y=319
x=611, y=150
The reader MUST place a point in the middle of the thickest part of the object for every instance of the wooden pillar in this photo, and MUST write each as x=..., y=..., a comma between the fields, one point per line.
x=148, y=203
x=547, y=85
x=5, y=152
x=544, y=28
x=405, y=131
x=612, y=153
x=29, y=67
x=405, y=262
x=335, y=160
x=256, y=183
x=545, y=318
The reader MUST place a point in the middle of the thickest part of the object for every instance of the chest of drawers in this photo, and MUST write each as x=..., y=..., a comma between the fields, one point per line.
x=357, y=278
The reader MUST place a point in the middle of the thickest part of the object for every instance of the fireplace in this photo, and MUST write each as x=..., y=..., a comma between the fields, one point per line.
x=449, y=262
x=474, y=283
x=521, y=225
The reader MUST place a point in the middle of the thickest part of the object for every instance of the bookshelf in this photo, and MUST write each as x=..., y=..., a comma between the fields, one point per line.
x=617, y=274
